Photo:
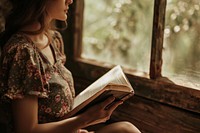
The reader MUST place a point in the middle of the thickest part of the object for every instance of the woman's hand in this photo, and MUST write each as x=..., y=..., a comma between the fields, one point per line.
x=101, y=112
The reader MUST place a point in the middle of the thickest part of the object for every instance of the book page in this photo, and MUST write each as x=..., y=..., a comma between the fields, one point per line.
x=114, y=77
x=120, y=78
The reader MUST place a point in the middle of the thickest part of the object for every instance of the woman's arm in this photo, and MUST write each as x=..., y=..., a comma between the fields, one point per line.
x=25, y=113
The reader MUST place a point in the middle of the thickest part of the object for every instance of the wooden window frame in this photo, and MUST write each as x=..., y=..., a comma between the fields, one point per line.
x=153, y=86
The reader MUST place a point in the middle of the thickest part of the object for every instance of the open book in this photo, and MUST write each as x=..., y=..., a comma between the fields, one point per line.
x=113, y=83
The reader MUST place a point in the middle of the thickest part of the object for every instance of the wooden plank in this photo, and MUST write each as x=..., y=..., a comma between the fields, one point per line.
x=168, y=93
x=78, y=27
x=153, y=117
x=157, y=38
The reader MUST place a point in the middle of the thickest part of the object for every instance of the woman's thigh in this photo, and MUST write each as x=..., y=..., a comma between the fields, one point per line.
x=119, y=127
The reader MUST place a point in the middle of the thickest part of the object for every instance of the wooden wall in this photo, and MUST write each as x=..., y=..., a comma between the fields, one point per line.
x=154, y=117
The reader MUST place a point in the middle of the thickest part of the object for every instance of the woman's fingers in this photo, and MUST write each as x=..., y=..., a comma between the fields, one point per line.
x=113, y=106
x=108, y=101
x=110, y=104
x=102, y=112
x=110, y=108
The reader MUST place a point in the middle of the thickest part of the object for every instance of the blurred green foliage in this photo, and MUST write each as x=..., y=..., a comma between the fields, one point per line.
x=120, y=31
x=182, y=39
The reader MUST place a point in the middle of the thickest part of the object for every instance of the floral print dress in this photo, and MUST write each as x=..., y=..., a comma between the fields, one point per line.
x=26, y=71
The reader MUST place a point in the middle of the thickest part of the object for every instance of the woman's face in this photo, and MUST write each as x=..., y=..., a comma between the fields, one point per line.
x=57, y=9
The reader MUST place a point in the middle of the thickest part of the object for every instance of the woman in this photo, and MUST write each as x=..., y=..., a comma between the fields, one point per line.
x=36, y=87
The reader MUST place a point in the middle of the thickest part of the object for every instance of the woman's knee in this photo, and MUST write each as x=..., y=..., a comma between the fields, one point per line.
x=127, y=127
x=119, y=127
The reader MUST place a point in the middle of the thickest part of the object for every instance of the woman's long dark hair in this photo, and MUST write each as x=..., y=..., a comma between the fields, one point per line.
x=23, y=13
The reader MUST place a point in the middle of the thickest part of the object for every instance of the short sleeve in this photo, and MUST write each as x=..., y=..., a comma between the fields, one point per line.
x=22, y=73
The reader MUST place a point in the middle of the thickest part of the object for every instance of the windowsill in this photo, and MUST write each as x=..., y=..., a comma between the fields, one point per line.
x=109, y=66
x=161, y=90
x=186, y=82
x=173, y=80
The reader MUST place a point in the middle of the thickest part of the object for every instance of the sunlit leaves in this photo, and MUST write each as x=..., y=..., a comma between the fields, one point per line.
x=121, y=30
x=182, y=15
x=182, y=43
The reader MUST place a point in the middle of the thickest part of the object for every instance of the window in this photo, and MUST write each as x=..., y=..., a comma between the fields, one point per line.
x=142, y=46
x=118, y=32
x=181, y=54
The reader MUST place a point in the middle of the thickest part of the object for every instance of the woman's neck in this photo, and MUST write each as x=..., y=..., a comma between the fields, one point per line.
x=41, y=39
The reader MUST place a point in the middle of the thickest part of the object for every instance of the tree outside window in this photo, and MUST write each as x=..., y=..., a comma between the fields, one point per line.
x=120, y=31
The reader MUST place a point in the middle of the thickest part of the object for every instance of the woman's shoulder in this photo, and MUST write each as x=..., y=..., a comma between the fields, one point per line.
x=18, y=40
x=55, y=34
x=57, y=40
